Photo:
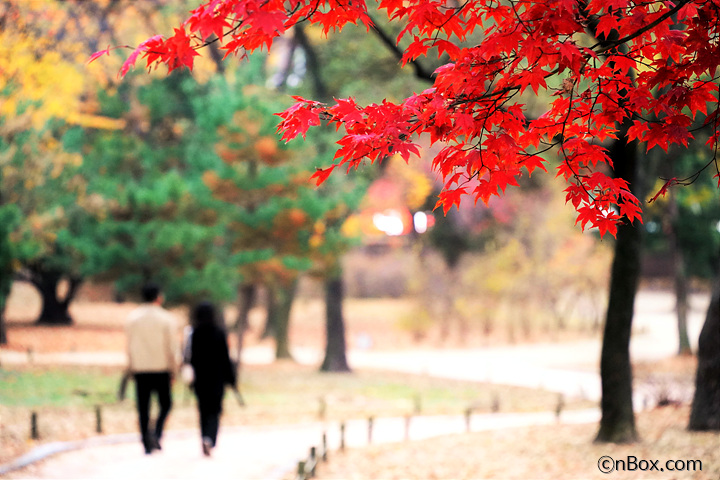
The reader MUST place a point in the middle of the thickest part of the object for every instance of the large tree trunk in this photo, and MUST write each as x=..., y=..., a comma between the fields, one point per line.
x=55, y=310
x=336, y=347
x=280, y=303
x=618, y=418
x=705, y=413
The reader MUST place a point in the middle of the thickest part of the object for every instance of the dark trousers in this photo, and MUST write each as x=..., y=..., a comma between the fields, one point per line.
x=145, y=385
x=209, y=425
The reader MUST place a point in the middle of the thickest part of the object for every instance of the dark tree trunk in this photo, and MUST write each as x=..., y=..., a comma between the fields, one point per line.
x=336, y=347
x=281, y=303
x=245, y=303
x=271, y=316
x=618, y=418
x=55, y=310
x=6, y=273
x=5, y=283
x=705, y=413
x=680, y=279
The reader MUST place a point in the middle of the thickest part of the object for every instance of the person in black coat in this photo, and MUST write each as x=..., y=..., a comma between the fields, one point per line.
x=212, y=369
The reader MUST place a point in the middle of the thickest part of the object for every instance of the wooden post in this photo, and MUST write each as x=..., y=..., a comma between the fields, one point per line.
x=301, y=470
x=322, y=408
x=495, y=407
x=560, y=406
x=418, y=404
x=370, y=430
x=407, y=427
x=468, y=416
x=313, y=461
x=34, y=434
x=98, y=419
x=324, y=447
x=342, y=436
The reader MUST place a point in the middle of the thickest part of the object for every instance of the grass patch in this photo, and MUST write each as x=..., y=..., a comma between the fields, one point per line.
x=65, y=399
x=58, y=387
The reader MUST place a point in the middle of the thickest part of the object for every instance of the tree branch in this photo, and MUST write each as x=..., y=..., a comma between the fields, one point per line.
x=637, y=33
x=313, y=63
x=25, y=275
x=420, y=71
x=74, y=286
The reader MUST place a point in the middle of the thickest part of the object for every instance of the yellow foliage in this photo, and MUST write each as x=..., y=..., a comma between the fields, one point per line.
x=316, y=241
x=95, y=121
x=417, y=184
x=352, y=227
x=37, y=76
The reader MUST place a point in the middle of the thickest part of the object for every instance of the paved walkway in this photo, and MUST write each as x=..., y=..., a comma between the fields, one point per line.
x=263, y=453
x=273, y=452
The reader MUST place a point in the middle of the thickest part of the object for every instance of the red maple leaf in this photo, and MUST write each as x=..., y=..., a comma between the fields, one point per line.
x=322, y=174
x=474, y=108
x=663, y=190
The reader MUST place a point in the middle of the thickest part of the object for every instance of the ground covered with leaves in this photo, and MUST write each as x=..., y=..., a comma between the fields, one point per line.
x=563, y=452
x=65, y=399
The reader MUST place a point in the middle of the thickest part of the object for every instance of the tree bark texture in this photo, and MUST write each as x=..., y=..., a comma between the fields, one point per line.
x=705, y=412
x=679, y=279
x=6, y=274
x=55, y=310
x=246, y=300
x=336, y=347
x=617, y=424
x=5, y=283
x=282, y=298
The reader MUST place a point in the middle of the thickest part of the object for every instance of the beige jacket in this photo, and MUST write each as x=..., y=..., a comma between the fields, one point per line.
x=151, y=340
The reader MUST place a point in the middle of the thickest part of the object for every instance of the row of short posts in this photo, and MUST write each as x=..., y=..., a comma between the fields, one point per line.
x=308, y=467
x=35, y=429
x=495, y=407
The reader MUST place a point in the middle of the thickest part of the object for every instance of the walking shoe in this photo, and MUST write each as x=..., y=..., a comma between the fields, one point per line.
x=206, y=446
x=155, y=444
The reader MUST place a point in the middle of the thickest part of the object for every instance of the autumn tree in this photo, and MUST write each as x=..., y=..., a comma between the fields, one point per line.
x=41, y=89
x=268, y=228
x=350, y=64
x=42, y=180
x=279, y=225
x=583, y=53
x=159, y=219
x=44, y=89
x=682, y=228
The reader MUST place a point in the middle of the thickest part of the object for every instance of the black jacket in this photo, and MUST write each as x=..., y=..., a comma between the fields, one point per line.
x=211, y=363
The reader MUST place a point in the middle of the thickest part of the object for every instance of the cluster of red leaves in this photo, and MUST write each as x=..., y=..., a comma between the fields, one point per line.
x=648, y=64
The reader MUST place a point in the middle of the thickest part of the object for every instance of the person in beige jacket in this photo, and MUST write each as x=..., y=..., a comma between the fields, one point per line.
x=152, y=361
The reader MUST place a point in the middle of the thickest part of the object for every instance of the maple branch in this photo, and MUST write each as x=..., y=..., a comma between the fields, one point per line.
x=457, y=9
x=519, y=18
x=420, y=71
x=576, y=174
x=319, y=86
x=637, y=33
x=693, y=178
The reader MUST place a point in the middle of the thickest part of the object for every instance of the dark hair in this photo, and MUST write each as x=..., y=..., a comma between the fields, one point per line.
x=203, y=314
x=150, y=292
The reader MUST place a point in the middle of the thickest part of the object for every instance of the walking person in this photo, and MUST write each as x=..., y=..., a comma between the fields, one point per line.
x=212, y=368
x=152, y=360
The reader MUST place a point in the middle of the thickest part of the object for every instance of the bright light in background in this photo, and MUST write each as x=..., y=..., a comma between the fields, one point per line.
x=420, y=220
x=389, y=222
